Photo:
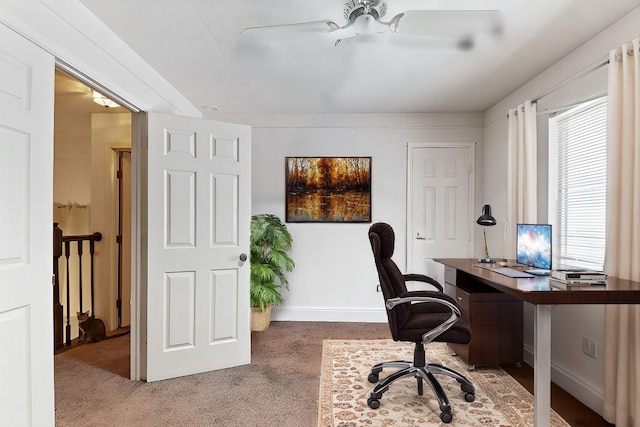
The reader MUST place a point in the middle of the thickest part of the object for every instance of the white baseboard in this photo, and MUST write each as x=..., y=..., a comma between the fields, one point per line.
x=329, y=314
x=588, y=395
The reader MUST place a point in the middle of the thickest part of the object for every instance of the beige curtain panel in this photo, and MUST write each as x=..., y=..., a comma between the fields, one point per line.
x=523, y=165
x=622, y=322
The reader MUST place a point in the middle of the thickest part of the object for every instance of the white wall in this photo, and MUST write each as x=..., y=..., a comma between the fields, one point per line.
x=109, y=132
x=335, y=278
x=578, y=373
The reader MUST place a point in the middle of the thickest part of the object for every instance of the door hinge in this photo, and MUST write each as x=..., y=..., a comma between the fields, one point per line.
x=118, y=239
x=468, y=167
x=119, y=174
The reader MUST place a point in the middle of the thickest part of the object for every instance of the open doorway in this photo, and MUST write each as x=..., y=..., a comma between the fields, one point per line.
x=92, y=194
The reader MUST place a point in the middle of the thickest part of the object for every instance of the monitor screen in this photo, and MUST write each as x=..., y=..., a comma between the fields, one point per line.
x=534, y=245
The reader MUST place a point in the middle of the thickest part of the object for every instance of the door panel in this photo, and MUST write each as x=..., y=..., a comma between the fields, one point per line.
x=439, y=206
x=26, y=246
x=180, y=296
x=199, y=215
x=181, y=208
x=224, y=290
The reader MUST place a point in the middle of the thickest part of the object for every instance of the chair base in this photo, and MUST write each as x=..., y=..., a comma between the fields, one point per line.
x=421, y=373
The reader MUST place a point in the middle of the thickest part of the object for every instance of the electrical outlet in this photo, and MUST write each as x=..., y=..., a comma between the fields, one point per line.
x=589, y=347
x=592, y=349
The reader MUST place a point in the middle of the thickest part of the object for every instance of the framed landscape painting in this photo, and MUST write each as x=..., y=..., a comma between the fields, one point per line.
x=328, y=189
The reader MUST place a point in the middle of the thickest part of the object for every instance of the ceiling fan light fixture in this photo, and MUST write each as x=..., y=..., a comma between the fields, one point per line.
x=365, y=24
x=102, y=100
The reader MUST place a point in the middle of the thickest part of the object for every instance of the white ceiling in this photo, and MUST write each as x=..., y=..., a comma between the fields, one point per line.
x=197, y=46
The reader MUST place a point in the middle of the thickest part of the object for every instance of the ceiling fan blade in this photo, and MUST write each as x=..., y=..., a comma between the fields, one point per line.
x=367, y=24
x=461, y=43
x=451, y=22
x=358, y=38
x=324, y=26
x=393, y=23
x=400, y=40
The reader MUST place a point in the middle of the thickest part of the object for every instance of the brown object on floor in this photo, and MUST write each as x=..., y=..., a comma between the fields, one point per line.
x=280, y=387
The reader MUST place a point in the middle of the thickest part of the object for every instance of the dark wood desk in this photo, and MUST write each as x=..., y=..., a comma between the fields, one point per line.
x=496, y=320
x=538, y=292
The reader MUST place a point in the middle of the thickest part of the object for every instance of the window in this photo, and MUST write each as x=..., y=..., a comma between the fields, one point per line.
x=577, y=184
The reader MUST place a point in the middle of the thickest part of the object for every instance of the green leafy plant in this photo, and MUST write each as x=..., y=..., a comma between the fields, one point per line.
x=270, y=243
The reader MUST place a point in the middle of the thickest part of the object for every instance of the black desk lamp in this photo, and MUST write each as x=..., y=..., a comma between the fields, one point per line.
x=486, y=219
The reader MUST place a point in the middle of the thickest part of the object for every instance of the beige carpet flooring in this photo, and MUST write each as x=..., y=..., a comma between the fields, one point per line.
x=279, y=388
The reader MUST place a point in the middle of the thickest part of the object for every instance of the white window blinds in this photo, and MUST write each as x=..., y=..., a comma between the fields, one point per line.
x=580, y=137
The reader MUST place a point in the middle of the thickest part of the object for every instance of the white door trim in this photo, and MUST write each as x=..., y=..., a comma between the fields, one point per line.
x=472, y=187
x=138, y=243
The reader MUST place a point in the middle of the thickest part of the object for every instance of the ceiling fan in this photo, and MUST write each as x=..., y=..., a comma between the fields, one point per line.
x=364, y=20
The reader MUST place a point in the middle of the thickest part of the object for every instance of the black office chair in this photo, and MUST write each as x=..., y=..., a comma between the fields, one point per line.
x=419, y=317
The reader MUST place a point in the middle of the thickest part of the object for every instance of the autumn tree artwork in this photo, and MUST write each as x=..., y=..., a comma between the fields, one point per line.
x=328, y=189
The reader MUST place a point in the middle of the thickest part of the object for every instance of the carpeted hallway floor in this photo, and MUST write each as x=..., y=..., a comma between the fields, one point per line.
x=279, y=388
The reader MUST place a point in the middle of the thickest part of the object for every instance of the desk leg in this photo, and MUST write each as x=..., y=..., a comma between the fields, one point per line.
x=542, y=366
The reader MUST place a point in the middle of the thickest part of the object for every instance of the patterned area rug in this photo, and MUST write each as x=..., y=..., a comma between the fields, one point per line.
x=344, y=389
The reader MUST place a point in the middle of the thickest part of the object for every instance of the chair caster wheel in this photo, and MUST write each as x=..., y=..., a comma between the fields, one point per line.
x=469, y=392
x=373, y=403
x=373, y=378
x=446, y=417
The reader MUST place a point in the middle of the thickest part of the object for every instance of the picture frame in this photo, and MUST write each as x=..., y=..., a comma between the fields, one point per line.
x=328, y=189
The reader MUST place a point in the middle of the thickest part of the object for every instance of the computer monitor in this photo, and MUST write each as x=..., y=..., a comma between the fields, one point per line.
x=533, y=245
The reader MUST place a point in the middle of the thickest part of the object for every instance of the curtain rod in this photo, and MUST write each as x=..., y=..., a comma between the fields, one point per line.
x=573, y=77
x=581, y=73
x=557, y=110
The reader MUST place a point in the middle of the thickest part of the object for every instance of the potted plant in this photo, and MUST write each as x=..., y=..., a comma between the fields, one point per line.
x=269, y=245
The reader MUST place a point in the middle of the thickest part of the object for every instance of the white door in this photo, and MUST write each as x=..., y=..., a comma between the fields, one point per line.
x=199, y=194
x=26, y=229
x=439, y=206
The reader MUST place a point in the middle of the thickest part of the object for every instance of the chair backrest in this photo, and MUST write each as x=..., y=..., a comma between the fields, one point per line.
x=392, y=283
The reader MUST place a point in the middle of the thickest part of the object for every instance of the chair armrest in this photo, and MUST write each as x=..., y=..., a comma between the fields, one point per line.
x=424, y=296
x=430, y=297
x=422, y=278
